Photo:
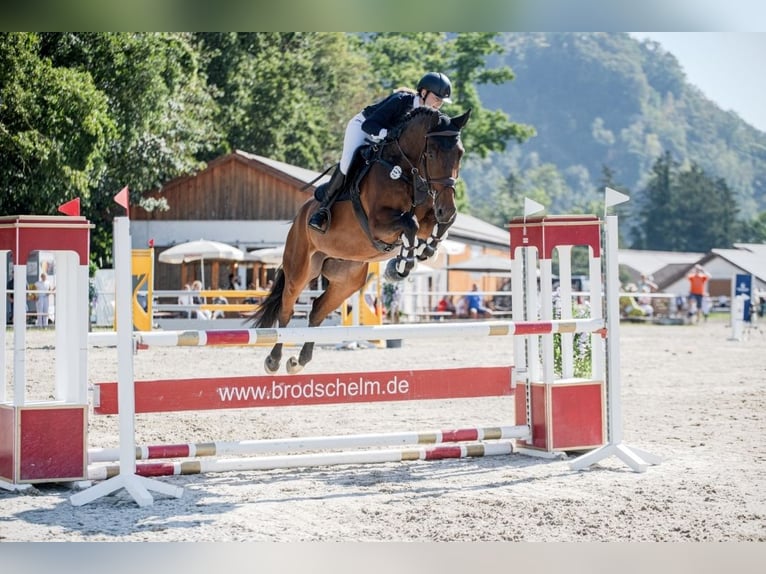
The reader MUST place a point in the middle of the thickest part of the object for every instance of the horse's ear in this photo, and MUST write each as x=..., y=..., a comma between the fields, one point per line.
x=460, y=121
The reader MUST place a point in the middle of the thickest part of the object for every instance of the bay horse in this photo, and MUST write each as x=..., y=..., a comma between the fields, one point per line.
x=402, y=196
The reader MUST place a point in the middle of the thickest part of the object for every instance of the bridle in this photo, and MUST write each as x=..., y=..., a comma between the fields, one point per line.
x=422, y=186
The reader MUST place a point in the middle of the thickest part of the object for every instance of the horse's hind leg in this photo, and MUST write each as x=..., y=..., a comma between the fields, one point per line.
x=295, y=365
x=298, y=266
x=344, y=278
x=273, y=359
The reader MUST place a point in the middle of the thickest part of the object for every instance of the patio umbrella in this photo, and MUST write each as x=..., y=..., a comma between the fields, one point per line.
x=267, y=255
x=200, y=250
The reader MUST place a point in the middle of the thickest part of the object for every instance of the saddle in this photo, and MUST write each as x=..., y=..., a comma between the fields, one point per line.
x=360, y=164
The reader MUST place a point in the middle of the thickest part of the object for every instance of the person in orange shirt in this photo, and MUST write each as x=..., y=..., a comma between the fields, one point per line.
x=698, y=279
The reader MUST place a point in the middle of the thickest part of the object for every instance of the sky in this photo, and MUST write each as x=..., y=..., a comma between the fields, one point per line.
x=726, y=66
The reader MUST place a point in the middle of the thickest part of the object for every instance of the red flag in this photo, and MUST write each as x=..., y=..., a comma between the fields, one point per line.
x=71, y=207
x=123, y=198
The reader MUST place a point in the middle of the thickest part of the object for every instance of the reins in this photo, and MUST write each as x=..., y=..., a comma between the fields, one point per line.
x=421, y=186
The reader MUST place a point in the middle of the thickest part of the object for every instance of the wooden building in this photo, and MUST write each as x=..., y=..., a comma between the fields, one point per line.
x=241, y=198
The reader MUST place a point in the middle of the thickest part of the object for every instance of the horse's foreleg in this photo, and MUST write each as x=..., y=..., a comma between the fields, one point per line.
x=426, y=248
x=400, y=266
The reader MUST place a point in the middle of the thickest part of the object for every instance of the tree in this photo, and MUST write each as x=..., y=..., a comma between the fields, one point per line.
x=705, y=212
x=285, y=95
x=159, y=103
x=55, y=130
x=753, y=231
x=686, y=209
x=657, y=212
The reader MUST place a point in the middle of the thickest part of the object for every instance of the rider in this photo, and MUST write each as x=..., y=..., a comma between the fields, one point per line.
x=373, y=123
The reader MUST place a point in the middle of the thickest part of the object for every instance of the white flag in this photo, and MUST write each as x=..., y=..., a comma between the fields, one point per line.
x=531, y=207
x=614, y=197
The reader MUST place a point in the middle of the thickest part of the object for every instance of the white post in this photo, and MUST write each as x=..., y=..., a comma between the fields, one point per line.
x=19, y=334
x=597, y=352
x=565, y=303
x=4, y=288
x=636, y=459
x=137, y=486
x=532, y=312
x=517, y=312
x=546, y=314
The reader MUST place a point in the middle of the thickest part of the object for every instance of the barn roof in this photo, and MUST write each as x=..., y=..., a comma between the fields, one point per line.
x=300, y=174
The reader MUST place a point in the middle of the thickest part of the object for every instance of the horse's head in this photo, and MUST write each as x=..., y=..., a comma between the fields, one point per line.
x=430, y=142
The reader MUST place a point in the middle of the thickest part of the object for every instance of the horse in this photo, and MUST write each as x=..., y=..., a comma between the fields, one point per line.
x=402, y=196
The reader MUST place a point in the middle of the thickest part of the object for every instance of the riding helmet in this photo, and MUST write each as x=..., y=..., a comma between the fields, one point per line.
x=437, y=83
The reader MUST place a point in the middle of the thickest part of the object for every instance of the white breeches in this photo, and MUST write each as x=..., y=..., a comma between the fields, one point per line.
x=351, y=141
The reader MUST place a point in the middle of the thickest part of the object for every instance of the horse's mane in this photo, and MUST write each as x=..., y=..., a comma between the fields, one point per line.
x=415, y=114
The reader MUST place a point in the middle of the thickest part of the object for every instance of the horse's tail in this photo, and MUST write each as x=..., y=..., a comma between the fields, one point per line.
x=268, y=312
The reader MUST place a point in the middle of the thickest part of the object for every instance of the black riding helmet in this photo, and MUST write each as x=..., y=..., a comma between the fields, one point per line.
x=437, y=83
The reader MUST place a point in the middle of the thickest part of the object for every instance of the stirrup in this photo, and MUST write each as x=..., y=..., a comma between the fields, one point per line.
x=324, y=216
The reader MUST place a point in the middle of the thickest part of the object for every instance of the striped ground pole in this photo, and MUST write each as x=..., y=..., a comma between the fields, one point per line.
x=204, y=465
x=299, y=444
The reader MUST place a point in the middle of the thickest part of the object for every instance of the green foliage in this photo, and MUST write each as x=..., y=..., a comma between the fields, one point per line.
x=582, y=348
x=285, y=95
x=54, y=130
x=686, y=209
x=159, y=102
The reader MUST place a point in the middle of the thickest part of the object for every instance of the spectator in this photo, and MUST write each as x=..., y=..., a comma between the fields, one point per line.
x=475, y=303
x=44, y=289
x=218, y=313
x=186, y=301
x=446, y=305
x=646, y=285
x=198, y=299
x=698, y=280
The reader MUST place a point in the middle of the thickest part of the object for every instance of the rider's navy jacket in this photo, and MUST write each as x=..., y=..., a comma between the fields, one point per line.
x=388, y=112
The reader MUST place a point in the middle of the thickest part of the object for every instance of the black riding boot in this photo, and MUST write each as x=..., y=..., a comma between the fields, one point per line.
x=320, y=221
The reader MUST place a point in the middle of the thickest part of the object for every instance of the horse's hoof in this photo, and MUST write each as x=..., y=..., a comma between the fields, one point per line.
x=391, y=274
x=293, y=366
x=271, y=366
x=426, y=253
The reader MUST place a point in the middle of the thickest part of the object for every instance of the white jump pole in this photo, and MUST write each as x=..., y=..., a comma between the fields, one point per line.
x=337, y=334
x=137, y=486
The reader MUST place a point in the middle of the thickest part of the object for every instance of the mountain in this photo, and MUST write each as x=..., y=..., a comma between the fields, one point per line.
x=607, y=99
